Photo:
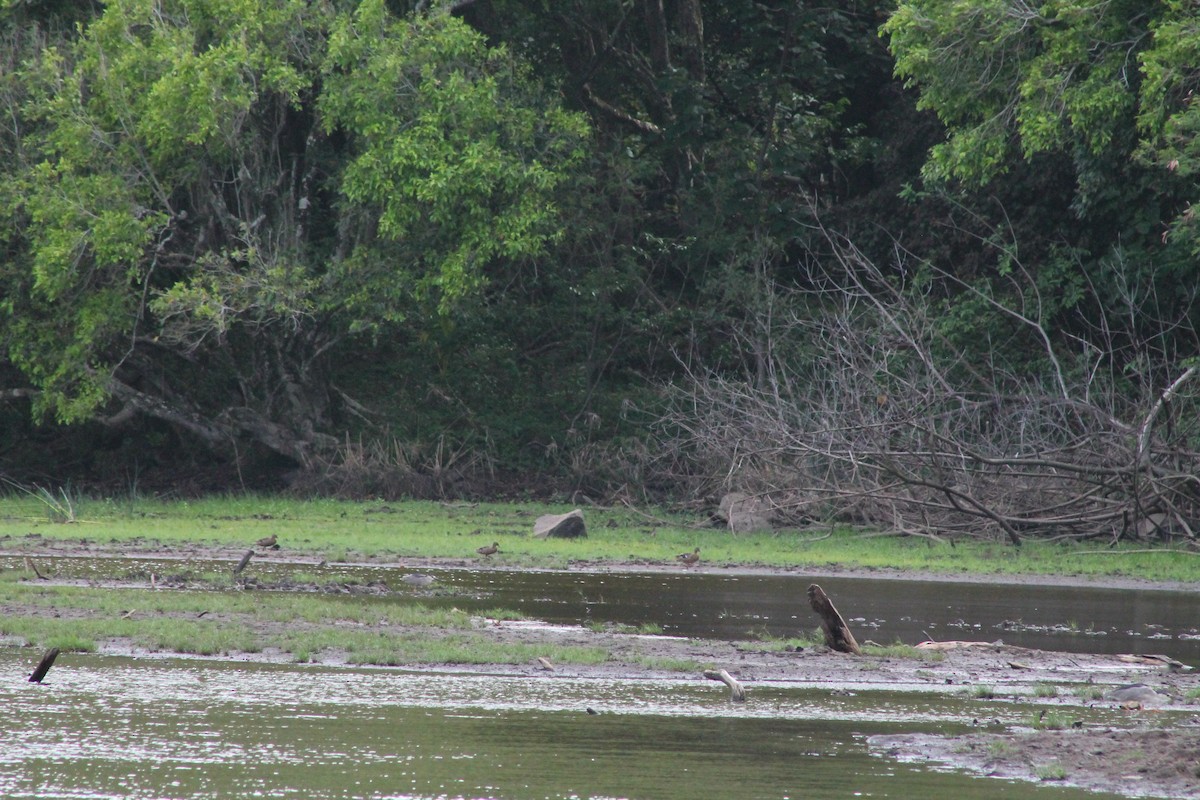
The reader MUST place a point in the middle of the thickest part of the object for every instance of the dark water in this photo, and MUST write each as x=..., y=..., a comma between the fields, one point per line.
x=1069, y=619
x=107, y=727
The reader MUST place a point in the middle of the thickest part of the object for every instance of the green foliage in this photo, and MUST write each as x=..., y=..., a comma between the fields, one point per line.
x=227, y=189
x=453, y=151
x=1018, y=80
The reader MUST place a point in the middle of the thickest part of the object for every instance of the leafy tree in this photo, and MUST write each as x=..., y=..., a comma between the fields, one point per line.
x=213, y=201
x=1097, y=92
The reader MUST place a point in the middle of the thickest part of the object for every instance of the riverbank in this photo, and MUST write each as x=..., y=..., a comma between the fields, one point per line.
x=618, y=538
x=1069, y=729
x=1074, y=731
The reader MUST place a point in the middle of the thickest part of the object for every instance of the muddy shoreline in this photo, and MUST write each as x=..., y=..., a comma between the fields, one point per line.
x=1156, y=754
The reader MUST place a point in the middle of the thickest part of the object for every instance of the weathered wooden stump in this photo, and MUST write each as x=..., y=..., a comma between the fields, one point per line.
x=837, y=634
x=44, y=665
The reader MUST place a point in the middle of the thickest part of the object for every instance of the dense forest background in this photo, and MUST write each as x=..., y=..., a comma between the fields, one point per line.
x=926, y=265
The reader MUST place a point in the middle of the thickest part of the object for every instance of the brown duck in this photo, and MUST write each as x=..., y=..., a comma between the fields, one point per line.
x=689, y=559
x=267, y=541
x=490, y=549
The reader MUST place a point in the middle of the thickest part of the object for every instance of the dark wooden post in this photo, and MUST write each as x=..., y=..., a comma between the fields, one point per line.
x=837, y=635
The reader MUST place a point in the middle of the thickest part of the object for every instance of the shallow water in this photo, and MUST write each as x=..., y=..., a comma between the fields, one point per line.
x=109, y=727
x=702, y=604
x=1070, y=619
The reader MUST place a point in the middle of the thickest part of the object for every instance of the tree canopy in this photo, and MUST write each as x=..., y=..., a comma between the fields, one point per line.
x=501, y=232
x=205, y=199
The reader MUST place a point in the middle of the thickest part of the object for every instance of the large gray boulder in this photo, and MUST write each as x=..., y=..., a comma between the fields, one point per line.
x=560, y=526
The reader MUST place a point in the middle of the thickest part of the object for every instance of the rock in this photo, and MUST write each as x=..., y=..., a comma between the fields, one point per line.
x=744, y=514
x=560, y=526
x=1139, y=694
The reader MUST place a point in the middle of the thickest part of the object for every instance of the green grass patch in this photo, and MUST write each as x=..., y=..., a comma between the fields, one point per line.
x=769, y=642
x=1051, y=721
x=905, y=651
x=1051, y=772
x=466, y=649
x=306, y=625
x=349, y=531
x=668, y=664
x=1001, y=748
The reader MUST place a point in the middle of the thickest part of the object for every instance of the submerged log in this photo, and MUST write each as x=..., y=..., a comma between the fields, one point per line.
x=44, y=665
x=837, y=634
x=736, y=693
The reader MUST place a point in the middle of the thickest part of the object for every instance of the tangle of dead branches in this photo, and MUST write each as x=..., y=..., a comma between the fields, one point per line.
x=860, y=407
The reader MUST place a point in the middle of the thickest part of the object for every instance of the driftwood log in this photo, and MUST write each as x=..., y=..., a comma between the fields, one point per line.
x=736, y=693
x=837, y=635
x=44, y=665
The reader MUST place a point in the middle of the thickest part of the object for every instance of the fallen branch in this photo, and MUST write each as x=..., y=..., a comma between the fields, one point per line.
x=736, y=693
x=954, y=645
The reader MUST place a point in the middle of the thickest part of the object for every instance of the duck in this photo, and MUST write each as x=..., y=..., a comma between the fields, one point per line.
x=689, y=559
x=494, y=547
x=268, y=541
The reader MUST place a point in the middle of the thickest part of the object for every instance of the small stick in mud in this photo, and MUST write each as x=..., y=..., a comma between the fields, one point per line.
x=736, y=693
x=241, y=565
x=32, y=567
x=837, y=635
x=44, y=665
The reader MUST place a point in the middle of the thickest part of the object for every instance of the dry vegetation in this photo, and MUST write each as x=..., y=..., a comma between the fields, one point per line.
x=873, y=410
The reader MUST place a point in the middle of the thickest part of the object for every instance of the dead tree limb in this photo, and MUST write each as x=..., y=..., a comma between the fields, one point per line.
x=737, y=694
x=837, y=634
